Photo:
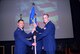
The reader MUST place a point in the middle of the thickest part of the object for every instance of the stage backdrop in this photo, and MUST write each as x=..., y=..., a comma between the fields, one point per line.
x=59, y=11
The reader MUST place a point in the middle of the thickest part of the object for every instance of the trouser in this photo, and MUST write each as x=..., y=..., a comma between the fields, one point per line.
x=50, y=52
x=39, y=51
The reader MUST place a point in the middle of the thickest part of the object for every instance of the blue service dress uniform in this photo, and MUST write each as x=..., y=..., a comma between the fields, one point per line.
x=47, y=37
x=21, y=42
x=40, y=42
x=39, y=46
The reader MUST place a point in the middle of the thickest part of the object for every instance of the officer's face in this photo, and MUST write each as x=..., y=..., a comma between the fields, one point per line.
x=45, y=18
x=20, y=24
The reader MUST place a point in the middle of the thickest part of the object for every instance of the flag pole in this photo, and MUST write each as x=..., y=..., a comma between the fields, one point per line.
x=35, y=46
x=34, y=35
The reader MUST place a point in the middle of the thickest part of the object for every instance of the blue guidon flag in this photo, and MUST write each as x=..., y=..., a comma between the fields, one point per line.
x=32, y=18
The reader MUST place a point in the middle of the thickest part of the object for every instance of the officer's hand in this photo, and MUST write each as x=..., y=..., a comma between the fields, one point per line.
x=33, y=30
x=34, y=37
x=33, y=44
x=35, y=25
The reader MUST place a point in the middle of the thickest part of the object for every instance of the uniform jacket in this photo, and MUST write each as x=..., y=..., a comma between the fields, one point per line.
x=21, y=42
x=47, y=36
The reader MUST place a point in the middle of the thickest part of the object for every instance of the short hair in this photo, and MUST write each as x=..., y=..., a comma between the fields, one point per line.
x=20, y=20
x=46, y=14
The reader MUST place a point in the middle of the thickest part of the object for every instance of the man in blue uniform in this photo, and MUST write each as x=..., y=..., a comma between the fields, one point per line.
x=20, y=39
x=48, y=35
